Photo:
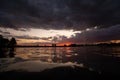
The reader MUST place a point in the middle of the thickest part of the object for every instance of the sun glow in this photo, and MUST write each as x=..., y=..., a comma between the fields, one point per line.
x=115, y=41
x=37, y=35
x=64, y=44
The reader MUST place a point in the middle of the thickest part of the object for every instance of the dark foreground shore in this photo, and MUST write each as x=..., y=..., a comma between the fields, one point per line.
x=59, y=73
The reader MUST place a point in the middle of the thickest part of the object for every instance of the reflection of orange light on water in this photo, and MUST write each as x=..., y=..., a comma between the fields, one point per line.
x=68, y=48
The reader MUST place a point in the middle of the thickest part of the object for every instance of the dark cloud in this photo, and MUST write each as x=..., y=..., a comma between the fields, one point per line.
x=46, y=38
x=59, y=38
x=32, y=37
x=8, y=33
x=96, y=35
x=27, y=37
x=23, y=29
x=59, y=14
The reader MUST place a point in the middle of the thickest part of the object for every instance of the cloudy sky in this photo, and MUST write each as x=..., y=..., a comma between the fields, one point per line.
x=61, y=21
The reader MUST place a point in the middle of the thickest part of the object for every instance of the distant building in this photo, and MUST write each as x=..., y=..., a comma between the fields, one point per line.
x=65, y=45
x=53, y=45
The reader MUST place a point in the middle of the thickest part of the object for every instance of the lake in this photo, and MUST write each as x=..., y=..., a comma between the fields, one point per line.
x=100, y=59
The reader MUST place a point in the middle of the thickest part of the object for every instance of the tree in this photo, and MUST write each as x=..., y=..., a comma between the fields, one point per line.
x=13, y=42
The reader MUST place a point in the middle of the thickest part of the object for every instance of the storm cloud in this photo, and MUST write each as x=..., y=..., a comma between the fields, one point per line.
x=59, y=14
x=32, y=37
x=27, y=37
x=95, y=35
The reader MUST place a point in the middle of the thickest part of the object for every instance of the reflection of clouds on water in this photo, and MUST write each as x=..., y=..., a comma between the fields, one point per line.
x=97, y=58
x=37, y=66
x=48, y=54
x=5, y=62
x=41, y=58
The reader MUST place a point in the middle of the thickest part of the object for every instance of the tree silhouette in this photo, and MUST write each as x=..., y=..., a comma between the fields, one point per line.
x=12, y=42
x=3, y=41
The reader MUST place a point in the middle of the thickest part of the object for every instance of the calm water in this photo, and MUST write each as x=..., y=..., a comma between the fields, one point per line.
x=102, y=59
x=99, y=58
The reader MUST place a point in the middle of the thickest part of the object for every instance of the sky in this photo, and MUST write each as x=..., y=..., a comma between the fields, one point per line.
x=60, y=21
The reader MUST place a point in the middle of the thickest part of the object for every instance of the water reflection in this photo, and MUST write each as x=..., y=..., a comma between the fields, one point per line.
x=47, y=54
x=65, y=54
x=11, y=52
x=2, y=52
x=7, y=52
x=57, y=57
x=61, y=55
x=99, y=58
